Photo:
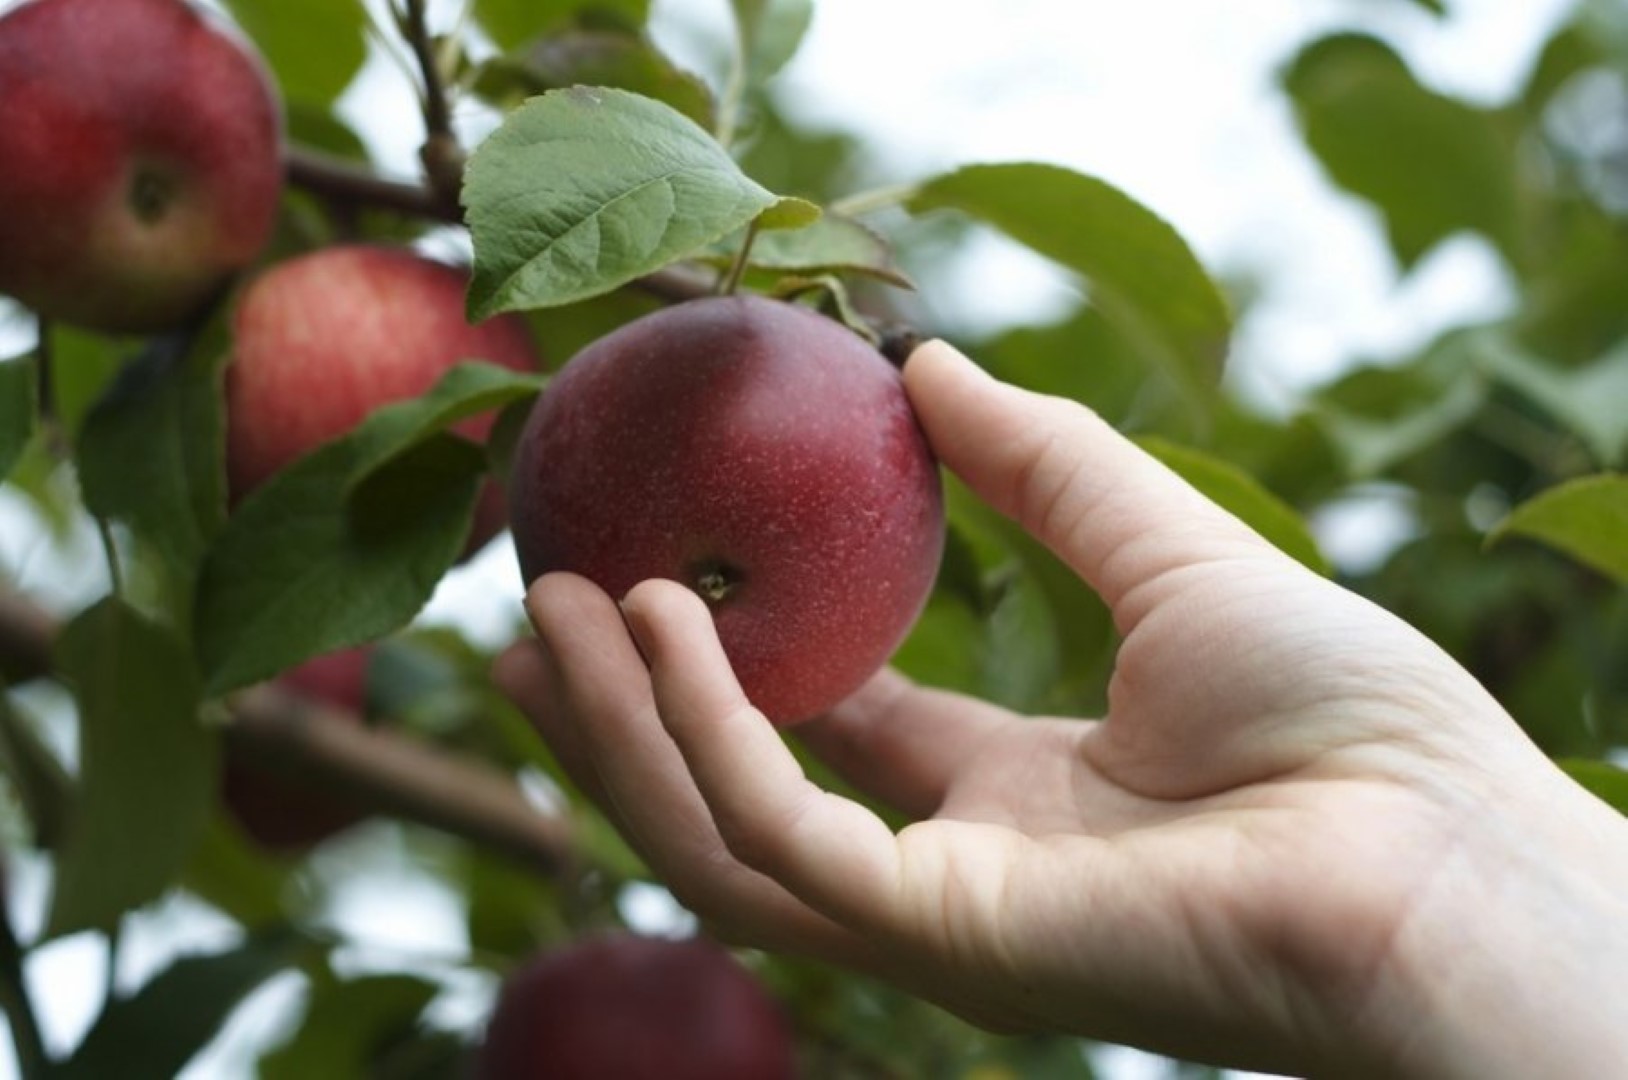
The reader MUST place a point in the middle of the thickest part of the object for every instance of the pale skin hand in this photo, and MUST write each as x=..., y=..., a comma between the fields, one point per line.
x=1302, y=839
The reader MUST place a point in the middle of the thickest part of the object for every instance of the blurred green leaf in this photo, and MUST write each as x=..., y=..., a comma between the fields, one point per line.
x=346, y=1025
x=586, y=189
x=1432, y=164
x=18, y=403
x=833, y=244
x=1602, y=778
x=156, y=1031
x=151, y=452
x=82, y=366
x=1378, y=417
x=314, y=127
x=595, y=58
x=1140, y=273
x=1592, y=401
x=229, y=873
x=347, y=543
x=1242, y=496
x=770, y=32
x=944, y=648
x=147, y=766
x=512, y=23
x=315, y=47
x=1587, y=519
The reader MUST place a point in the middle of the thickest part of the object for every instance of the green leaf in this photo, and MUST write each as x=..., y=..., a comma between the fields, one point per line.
x=18, y=404
x=156, y=1031
x=586, y=189
x=1432, y=164
x=347, y=544
x=1379, y=417
x=1602, y=778
x=1589, y=400
x=299, y=571
x=147, y=766
x=1242, y=496
x=512, y=23
x=1587, y=519
x=315, y=47
x=82, y=366
x=832, y=244
x=770, y=33
x=595, y=58
x=151, y=452
x=1140, y=273
x=346, y=1024
x=229, y=872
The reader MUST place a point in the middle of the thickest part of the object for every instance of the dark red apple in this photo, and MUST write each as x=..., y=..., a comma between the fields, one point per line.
x=629, y=1008
x=142, y=160
x=761, y=454
x=284, y=811
x=321, y=340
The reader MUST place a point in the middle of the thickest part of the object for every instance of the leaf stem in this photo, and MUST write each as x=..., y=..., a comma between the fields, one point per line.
x=32, y=1060
x=115, y=571
x=737, y=270
x=867, y=202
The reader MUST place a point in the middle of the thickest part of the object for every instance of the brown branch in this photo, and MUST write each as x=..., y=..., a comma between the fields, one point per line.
x=389, y=772
x=352, y=185
x=378, y=768
x=442, y=155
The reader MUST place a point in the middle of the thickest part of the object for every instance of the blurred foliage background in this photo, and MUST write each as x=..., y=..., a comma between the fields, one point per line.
x=1497, y=445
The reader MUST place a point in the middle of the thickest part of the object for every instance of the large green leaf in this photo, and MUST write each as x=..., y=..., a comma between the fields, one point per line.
x=161, y=1027
x=1140, y=272
x=83, y=365
x=1378, y=417
x=1591, y=400
x=346, y=1025
x=151, y=452
x=1587, y=519
x=147, y=766
x=585, y=189
x=18, y=395
x=1242, y=496
x=315, y=47
x=347, y=543
x=1432, y=164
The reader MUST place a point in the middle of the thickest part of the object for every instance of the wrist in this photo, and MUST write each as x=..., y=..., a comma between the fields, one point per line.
x=1513, y=965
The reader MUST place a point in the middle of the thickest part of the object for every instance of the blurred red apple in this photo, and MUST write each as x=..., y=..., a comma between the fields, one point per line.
x=322, y=340
x=142, y=160
x=282, y=810
x=630, y=1008
x=759, y=453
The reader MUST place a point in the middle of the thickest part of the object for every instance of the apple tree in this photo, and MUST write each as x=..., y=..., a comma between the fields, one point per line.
x=269, y=396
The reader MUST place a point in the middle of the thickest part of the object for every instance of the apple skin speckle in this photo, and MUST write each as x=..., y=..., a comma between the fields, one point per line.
x=753, y=436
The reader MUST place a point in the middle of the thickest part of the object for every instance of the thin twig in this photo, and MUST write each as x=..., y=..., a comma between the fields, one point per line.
x=32, y=1060
x=442, y=155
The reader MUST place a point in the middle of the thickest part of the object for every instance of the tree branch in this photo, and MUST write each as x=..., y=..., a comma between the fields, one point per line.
x=352, y=185
x=381, y=768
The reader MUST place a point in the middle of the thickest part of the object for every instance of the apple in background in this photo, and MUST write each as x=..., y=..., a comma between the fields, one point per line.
x=142, y=160
x=281, y=810
x=323, y=339
x=633, y=1008
x=761, y=454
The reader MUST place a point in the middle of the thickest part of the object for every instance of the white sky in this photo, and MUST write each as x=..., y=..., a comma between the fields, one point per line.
x=1172, y=100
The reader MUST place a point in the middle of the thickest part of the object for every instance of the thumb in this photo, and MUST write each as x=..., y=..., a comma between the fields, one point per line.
x=1108, y=509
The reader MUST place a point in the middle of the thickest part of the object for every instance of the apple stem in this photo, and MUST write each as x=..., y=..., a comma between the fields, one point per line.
x=738, y=269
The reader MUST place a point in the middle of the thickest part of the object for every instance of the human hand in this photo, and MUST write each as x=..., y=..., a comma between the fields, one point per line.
x=1301, y=839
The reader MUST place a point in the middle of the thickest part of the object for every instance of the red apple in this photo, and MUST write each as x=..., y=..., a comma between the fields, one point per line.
x=142, y=160
x=281, y=810
x=759, y=453
x=629, y=1008
x=321, y=340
